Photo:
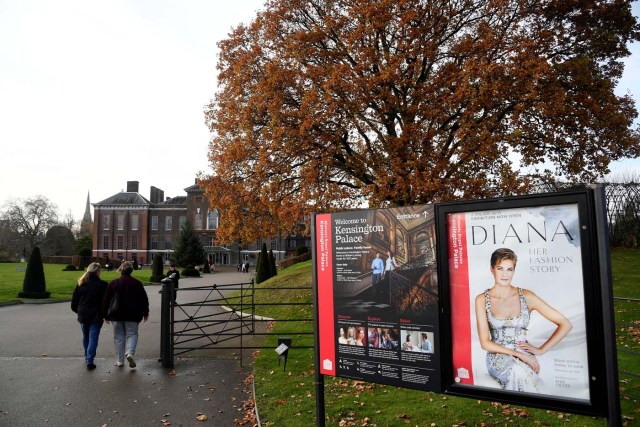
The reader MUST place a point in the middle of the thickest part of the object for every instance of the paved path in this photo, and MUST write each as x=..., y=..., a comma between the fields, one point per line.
x=44, y=381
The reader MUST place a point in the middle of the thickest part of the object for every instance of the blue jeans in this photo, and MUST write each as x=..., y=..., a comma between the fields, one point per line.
x=125, y=338
x=90, y=336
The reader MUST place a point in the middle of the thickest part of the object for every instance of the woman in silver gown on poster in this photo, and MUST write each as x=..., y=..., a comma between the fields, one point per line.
x=502, y=315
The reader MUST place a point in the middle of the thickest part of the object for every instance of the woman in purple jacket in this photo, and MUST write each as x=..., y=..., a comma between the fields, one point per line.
x=133, y=307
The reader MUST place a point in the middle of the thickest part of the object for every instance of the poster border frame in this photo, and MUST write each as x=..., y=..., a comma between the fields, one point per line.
x=596, y=322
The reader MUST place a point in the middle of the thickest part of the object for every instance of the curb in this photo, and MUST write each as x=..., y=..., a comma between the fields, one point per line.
x=33, y=301
x=241, y=314
x=255, y=402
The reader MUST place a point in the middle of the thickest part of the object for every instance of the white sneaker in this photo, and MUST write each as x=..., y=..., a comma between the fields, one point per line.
x=132, y=363
x=119, y=364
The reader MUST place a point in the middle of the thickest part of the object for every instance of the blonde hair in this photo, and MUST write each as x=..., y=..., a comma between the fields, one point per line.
x=126, y=268
x=92, y=270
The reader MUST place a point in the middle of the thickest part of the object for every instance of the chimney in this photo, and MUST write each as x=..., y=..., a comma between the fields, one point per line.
x=157, y=195
x=132, y=186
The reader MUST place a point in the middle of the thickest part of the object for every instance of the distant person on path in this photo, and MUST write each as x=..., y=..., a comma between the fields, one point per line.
x=87, y=303
x=174, y=275
x=134, y=306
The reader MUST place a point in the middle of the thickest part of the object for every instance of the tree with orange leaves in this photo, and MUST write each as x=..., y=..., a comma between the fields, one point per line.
x=327, y=105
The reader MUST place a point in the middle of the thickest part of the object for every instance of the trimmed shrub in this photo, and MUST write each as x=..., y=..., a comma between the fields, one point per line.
x=190, y=271
x=263, y=271
x=34, y=285
x=70, y=267
x=156, y=269
x=272, y=264
x=207, y=267
x=301, y=250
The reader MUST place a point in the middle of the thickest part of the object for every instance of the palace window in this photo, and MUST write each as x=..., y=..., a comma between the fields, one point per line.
x=212, y=220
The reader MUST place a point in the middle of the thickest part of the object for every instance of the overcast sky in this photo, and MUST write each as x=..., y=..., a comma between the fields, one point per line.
x=95, y=94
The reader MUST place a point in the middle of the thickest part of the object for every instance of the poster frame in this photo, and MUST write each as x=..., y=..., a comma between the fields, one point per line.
x=601, y=385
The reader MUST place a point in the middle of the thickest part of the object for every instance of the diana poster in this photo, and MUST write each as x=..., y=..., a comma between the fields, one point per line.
x=517, y=301
x=377, y=296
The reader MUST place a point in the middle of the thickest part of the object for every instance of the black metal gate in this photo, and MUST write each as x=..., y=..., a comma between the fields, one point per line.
x=220, y=317
x=226, y=313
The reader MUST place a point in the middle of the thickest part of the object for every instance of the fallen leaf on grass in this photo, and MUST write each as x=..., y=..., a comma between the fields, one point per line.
x=202, y=417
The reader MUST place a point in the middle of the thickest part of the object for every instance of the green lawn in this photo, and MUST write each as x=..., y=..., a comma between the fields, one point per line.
x=59, y=283
x=287, y=398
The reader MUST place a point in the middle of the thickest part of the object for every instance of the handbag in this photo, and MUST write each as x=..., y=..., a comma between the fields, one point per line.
x=114, y=306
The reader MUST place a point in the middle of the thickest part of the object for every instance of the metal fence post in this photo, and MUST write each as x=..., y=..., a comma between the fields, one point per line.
x=166, y=347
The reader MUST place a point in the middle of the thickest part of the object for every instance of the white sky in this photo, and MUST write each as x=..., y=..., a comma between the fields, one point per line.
x=95, y=94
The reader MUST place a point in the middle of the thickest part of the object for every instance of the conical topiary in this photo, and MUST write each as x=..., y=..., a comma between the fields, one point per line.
x=272, y=264
x=263, y=271
x=34, y=285
x=156, y=269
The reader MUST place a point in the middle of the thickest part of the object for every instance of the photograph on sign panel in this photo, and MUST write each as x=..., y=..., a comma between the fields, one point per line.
x=517, y=300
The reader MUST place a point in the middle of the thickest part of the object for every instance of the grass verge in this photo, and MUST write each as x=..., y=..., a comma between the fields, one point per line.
x=59, y=283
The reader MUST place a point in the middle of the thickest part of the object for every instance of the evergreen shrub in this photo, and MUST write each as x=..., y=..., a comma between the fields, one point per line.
x=263, y=271
x=34, y=285
x=190, y=271
x=156, y=269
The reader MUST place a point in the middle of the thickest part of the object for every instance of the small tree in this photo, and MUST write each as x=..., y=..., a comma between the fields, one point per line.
x=263, y=271
x=189, y=250
x=272, y=264
x=34, y=285
x=156, y=269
